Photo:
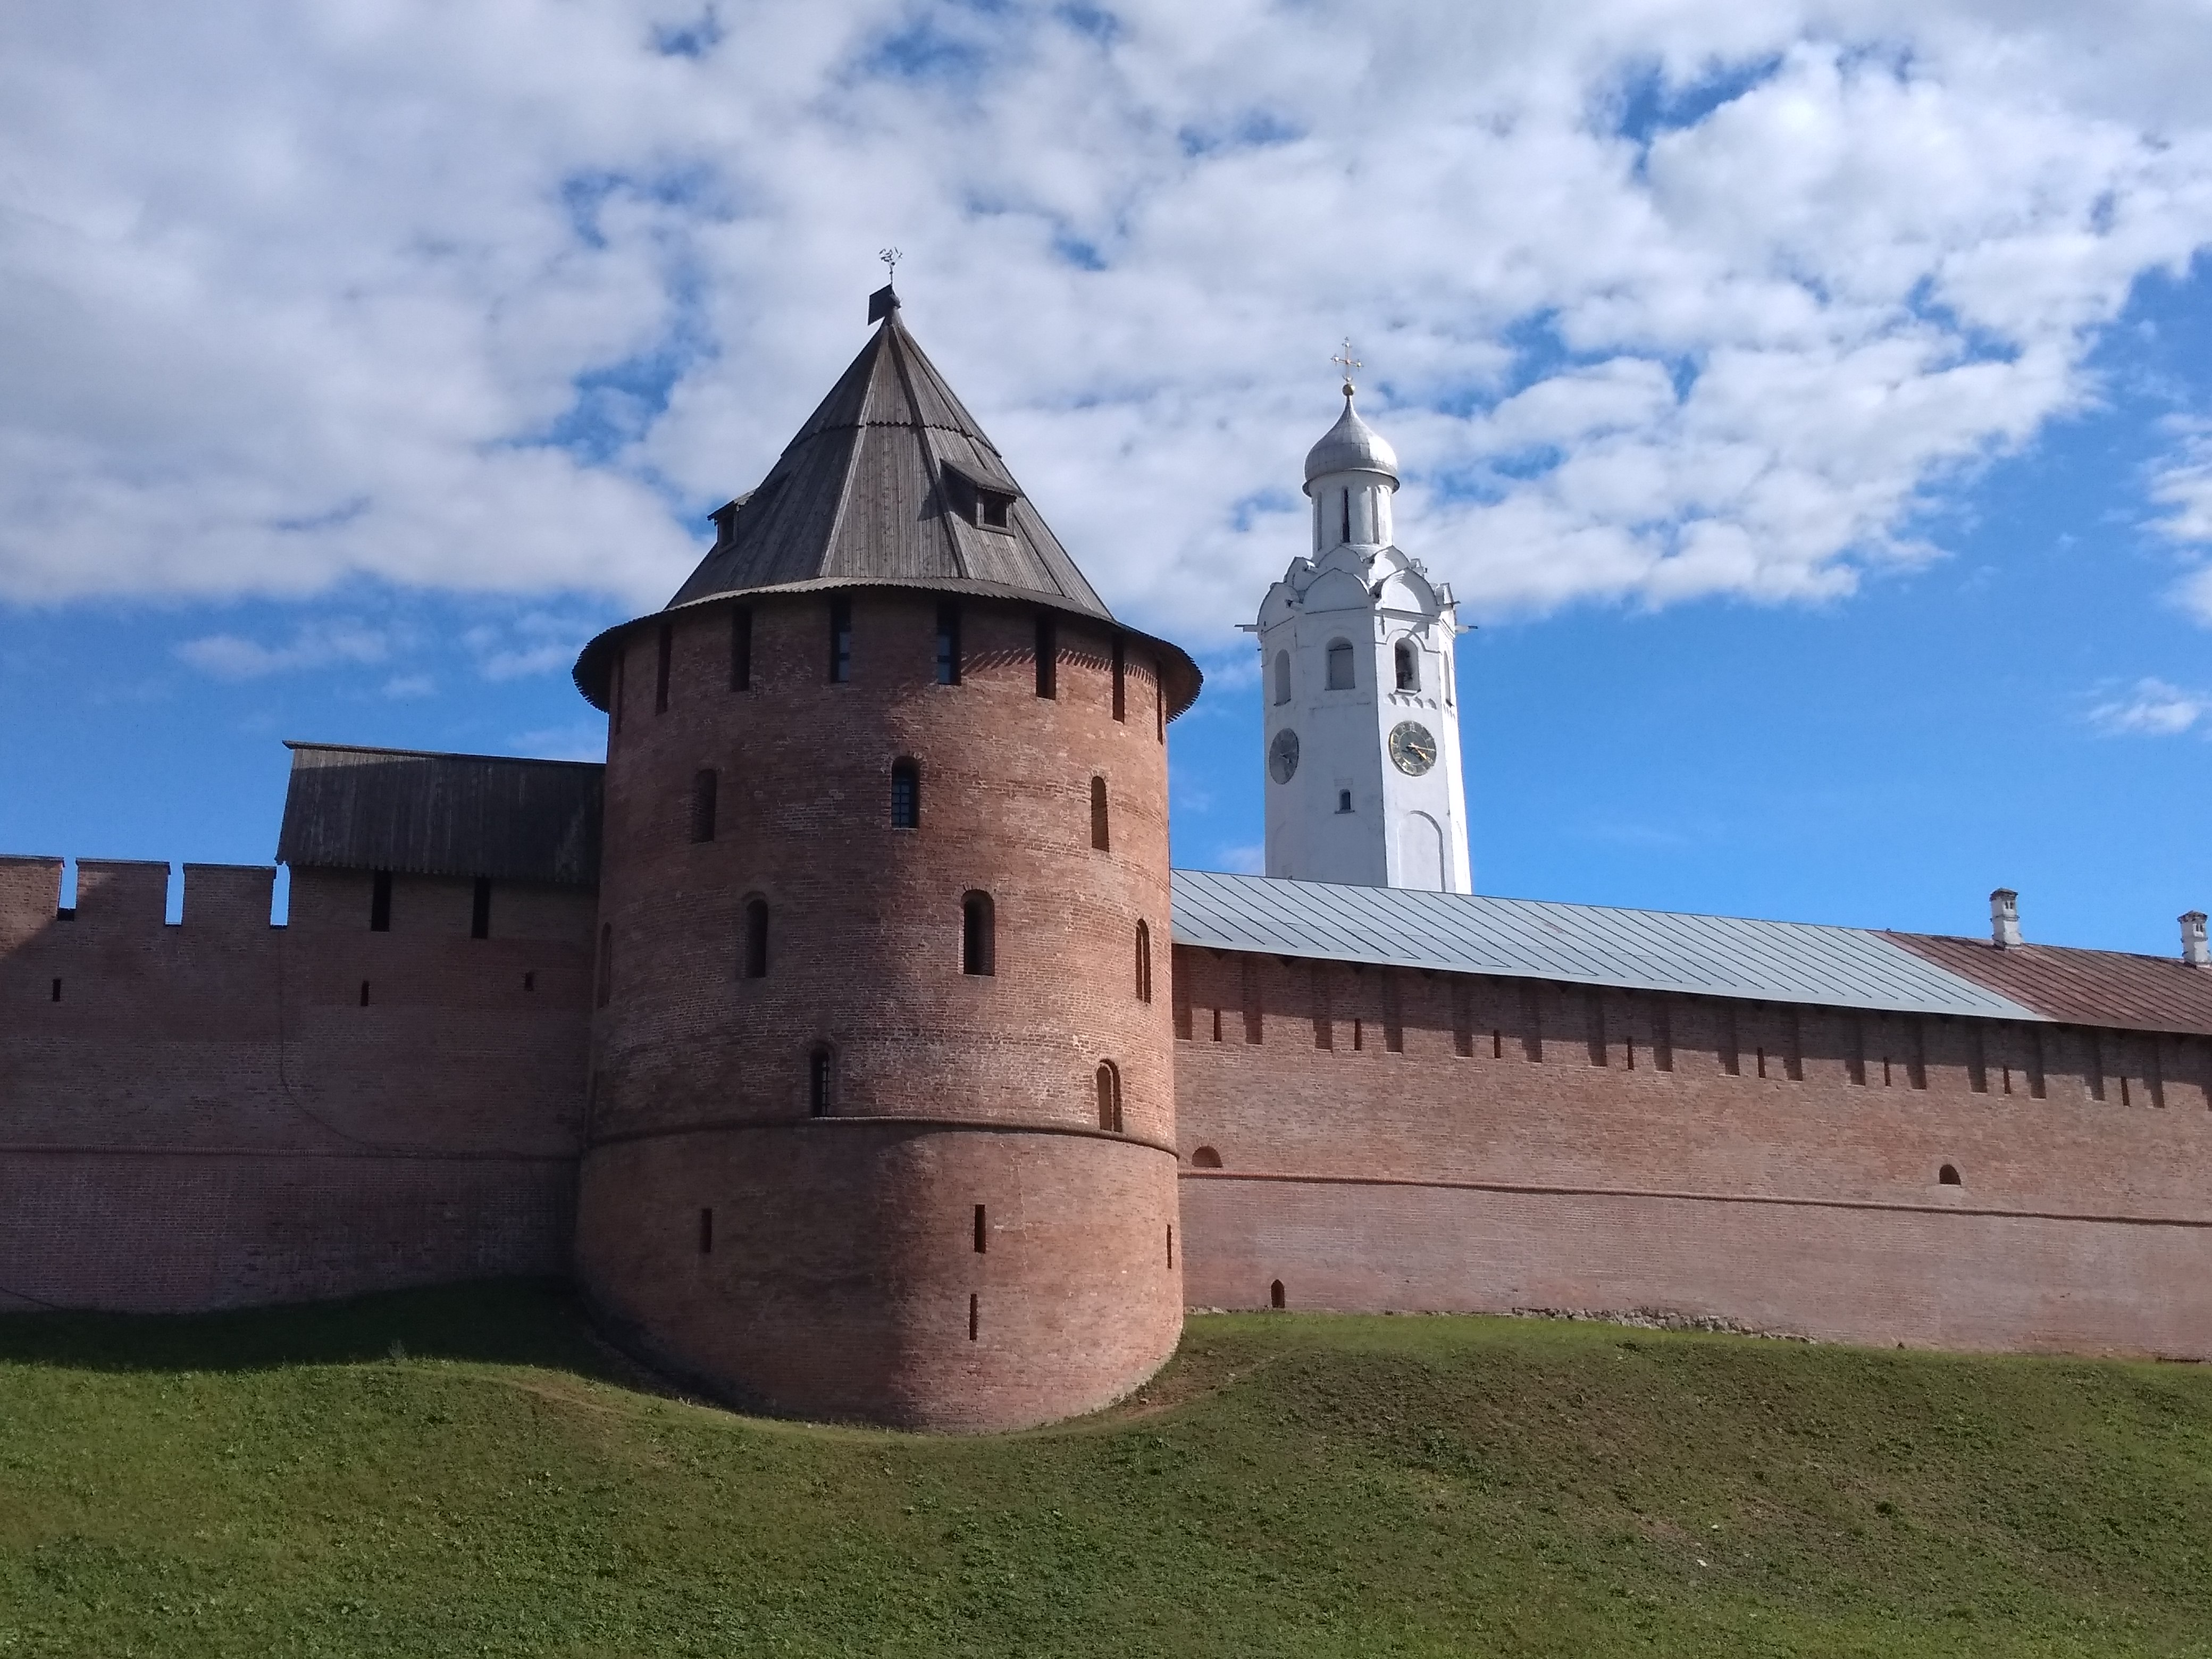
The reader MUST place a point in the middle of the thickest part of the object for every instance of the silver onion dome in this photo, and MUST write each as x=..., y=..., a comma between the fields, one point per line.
x=1351, y=446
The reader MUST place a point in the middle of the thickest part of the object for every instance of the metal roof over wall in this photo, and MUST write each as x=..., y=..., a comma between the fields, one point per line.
x=348, y=808
x=1577, y=943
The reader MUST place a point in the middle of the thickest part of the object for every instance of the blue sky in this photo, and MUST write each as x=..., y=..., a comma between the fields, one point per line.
x=1812, y=409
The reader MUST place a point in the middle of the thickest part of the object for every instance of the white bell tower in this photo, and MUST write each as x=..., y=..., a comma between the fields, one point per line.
x=1364, y=784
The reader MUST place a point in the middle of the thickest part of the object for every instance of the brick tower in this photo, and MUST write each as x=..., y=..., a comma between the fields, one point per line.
x=882, y=1121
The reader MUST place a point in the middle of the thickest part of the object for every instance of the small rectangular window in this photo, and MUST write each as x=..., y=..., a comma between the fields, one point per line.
x=948, y=643
x=982, y=1232
x=1121, y=678
x=906, y=795
x=1048, y=656
x=57, y=990
x=974, y=1316
x=666, y=651
x=706, y=1232
x=480, y=909
x=741, y=648
x=379, y=902
x=840, y=640
x=364, y=993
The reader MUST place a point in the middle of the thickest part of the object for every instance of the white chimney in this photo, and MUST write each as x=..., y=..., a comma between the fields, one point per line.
x=2004, y=918
x=2194, y=950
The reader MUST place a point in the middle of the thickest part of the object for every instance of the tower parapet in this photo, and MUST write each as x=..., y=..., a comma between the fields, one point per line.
x=883, y=1116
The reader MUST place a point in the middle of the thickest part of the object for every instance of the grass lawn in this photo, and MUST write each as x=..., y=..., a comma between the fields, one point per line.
x=465, y=1471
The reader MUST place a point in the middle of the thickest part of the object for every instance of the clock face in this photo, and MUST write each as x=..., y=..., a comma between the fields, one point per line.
x=1412, y=748
x=1283, y=756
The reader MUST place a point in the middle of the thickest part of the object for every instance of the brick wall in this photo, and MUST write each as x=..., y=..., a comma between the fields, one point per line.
x=207, y=1113
x=865, y=962
x=1463, y=1142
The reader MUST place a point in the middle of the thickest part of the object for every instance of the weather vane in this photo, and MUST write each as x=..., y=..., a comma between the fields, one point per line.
x=891, y=256
x=1350, y=363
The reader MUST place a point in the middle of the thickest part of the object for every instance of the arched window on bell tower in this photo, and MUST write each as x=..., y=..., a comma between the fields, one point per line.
x=1408, y=656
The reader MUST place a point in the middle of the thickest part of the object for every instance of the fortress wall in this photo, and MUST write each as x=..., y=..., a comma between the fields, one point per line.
x=865, y=921
x=219, y=1084
x=1476, y=1143
x=1074, y=1299
x=843, y=1264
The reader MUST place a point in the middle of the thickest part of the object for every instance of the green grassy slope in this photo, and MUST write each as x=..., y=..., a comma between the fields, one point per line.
x=464, y=1472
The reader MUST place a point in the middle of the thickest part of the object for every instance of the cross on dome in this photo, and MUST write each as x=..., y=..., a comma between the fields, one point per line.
x=1349, y=361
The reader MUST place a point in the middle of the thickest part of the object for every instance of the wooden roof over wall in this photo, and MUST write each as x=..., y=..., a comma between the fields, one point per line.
x=350, y=808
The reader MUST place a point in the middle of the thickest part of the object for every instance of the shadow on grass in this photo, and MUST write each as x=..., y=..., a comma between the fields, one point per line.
x=517, y=1323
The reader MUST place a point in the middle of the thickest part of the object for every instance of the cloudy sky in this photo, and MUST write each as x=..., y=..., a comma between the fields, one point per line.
x=1812, y=403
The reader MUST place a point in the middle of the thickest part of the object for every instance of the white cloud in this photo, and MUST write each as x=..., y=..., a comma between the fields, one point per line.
x=229, y=657
x=585, y=740
x=500, y=298
x=2182, y=484
x=2152, y=709
x=534, y=642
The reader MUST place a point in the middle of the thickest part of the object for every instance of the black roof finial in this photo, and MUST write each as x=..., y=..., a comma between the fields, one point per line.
x=884, y=300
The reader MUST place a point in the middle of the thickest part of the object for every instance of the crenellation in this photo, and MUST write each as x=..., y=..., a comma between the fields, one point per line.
x=30, y=897
x=115, y=897
x=228, y=897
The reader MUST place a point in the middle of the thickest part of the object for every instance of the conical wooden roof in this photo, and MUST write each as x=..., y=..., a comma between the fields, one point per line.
x=874, y=487
x=891, y=483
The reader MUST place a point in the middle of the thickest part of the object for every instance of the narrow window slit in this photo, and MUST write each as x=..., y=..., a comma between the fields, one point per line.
x=741, y=648
x=706, y=787
x=982, y=1232
x=1048, y=656
x=706, y=1232
x=978, y=931
x=753, y=963
x=840, y=640
x=906, y=795
x=948, y=643
x=480, y=909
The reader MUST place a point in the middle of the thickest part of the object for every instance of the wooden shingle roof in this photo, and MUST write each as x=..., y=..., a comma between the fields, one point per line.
x=348, y=808
x=880, y=487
